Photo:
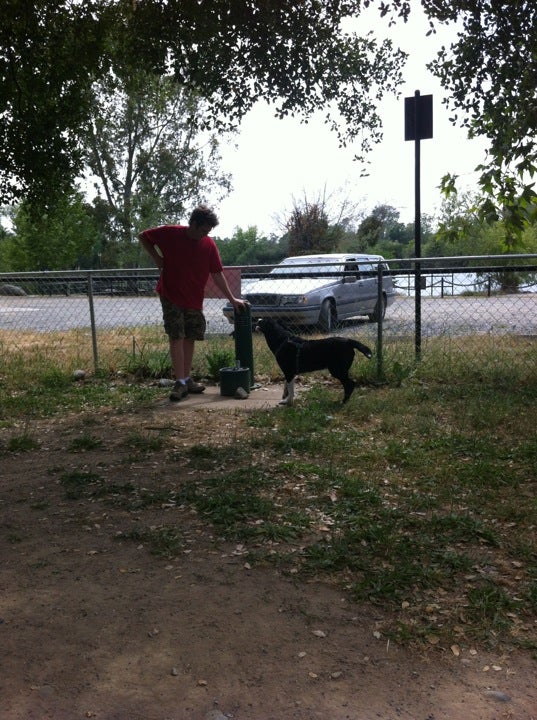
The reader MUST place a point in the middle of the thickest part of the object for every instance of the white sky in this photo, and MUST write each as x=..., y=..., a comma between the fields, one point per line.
x=278, y=160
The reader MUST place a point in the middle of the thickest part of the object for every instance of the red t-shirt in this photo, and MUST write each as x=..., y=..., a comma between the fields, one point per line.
x=187, y=264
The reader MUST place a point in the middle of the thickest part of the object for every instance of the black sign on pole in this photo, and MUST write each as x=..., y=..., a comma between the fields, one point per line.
x=418, y=126
x=419, y=114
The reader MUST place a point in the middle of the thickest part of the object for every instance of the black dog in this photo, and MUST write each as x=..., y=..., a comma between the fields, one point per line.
x=296, y=355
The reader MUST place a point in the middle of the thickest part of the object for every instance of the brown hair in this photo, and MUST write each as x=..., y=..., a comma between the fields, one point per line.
x=203, y=215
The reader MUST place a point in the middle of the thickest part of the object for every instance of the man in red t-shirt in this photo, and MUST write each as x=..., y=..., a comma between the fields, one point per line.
x=186, y=256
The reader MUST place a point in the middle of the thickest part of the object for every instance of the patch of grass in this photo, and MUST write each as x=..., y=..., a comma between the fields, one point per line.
x=296, y=430
x=531, y=596
x=218, y=358
x=40, y=505
x=143, y=443
x=79, y=483
x=54, y=378
x=395, y=557
x=164, y=541
x=142, y=498
x=147, y=360
x=85, y=442
x=234, y=512
x=491, y=606
x=240, y=506
x=207, y=457
x=118, y=394
x=22, y=443
x=262, y=419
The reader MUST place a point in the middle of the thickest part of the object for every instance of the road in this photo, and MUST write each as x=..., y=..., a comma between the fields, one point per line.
x=466, y=315
x=47, y=314
x=454, y=315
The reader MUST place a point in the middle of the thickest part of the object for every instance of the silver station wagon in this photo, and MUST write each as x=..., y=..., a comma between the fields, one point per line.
x=320, y=290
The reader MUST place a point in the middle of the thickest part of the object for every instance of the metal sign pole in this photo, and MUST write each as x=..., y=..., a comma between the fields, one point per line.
x=417, y=231
x=418, y=126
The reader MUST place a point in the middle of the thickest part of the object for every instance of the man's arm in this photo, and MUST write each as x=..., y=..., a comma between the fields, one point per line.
x=151, y=250
x=221, y=283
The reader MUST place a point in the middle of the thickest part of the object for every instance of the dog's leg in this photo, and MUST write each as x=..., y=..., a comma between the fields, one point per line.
x=348, y=387
x=289, y=393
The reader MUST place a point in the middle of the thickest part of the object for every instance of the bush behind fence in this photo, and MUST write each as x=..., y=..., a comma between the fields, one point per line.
x=468, y=313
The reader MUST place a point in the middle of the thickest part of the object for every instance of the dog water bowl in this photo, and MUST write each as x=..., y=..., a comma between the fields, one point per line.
x=231, y=379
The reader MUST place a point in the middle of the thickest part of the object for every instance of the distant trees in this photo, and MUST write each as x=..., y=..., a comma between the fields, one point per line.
x=71, y=236
x=6, y=240
x=63, y=238
x=383, y=233
x=148, y=165
x=148, y=162
x=462, y=230
x=319, y=225
x=247, y=247
x=309, y=231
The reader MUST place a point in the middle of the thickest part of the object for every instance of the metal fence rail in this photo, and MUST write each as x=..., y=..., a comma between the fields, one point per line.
x=469, y=309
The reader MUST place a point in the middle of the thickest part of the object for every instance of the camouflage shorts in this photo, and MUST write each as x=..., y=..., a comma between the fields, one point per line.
x=182, y=323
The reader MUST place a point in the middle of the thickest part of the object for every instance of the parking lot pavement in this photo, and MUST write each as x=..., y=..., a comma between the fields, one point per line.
x=262, y=397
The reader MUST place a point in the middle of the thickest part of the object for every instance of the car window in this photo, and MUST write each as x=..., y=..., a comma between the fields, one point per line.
x=309, y=269
x=368, y=269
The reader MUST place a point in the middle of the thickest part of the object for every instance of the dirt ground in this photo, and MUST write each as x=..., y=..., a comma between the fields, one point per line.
x=94, y=626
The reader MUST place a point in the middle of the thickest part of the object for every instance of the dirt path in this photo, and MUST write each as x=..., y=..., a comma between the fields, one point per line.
x=94, y=626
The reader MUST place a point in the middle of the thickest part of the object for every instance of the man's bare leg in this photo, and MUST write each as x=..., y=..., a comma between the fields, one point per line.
x=188, y=354
x=177, y=355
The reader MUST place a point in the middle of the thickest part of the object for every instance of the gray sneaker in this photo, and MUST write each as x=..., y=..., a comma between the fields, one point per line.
x=194, y=387
x=179, y=391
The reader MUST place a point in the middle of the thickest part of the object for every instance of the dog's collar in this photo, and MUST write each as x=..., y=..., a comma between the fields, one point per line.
x=298, y=347
x=288, y=340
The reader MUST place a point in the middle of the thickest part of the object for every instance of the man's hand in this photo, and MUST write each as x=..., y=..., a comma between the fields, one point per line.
x=239, y=305
x=152, y=250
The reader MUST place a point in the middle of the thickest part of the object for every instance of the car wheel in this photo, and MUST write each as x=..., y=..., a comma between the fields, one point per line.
x=375, y=316
x=327, y=316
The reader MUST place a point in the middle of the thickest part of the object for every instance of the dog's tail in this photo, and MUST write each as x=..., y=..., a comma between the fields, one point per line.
x=361, y=347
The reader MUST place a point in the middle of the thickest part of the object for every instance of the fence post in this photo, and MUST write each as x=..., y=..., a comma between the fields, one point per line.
x=92, y=320
x=244, y=353
x=380, y=320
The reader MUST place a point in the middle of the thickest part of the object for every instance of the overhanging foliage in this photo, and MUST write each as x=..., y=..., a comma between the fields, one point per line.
x=231, y=53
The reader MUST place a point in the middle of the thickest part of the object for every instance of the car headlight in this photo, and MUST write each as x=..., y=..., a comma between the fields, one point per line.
x=293, y=300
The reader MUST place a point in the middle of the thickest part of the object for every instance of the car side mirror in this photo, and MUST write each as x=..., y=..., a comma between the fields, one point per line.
x=349, y=278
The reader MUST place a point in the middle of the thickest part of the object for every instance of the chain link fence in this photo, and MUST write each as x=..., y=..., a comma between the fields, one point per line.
x=459, y=314
x=466, y=315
